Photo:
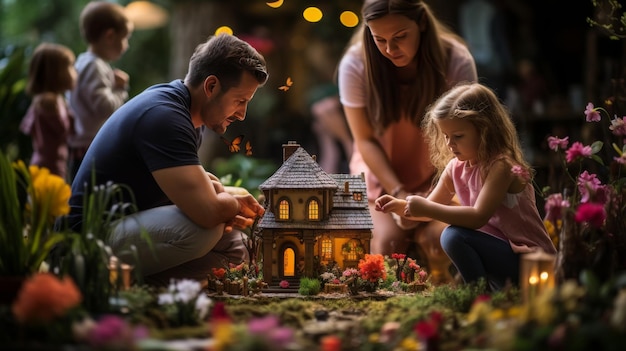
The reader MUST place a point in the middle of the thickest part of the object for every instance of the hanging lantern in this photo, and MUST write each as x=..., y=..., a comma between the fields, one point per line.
x=536, y=274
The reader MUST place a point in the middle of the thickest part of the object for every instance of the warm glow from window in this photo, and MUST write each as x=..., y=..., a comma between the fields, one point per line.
x=327, y=249
x=353, y=255
x=224, y=29
x=283, y=210
x=289, y=263
x=357, y=196
x=349, y=19
x=312, y=14
x=314, y=210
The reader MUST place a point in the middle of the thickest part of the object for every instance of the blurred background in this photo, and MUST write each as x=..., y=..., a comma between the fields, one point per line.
x=543, y=58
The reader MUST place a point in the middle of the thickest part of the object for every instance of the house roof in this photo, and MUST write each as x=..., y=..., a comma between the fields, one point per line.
x=299, y=171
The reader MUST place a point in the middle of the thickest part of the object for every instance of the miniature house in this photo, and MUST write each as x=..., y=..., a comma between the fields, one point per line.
x=311, y=215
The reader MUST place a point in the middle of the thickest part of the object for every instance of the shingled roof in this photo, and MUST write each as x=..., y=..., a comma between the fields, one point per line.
x=299, y=171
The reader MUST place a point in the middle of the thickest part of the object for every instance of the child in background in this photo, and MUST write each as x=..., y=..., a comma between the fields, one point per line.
x=475, y=148
x=48, y=120
x=100, y=89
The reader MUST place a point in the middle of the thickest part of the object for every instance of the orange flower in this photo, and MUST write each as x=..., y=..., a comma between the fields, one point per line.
x=372, y=268
x=45, y=297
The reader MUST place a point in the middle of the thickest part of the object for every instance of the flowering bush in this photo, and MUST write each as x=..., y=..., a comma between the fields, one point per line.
x=594, y=195
x=407, y=270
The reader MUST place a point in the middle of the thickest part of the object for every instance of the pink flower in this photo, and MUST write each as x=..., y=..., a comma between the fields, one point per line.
x=283, y=284
x=618, y=126
x=577, y=150
x=592, y=113
x=115, y=332
x=554, y=207
x=263, y=325
x=591, y=212
x=555, y=143
x=521, y=172
x=587, y=183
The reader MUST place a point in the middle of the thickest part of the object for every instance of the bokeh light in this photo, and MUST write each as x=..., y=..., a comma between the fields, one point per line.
x=224, y=29
x=312, y=14
x=349, y=19
x=275, y=4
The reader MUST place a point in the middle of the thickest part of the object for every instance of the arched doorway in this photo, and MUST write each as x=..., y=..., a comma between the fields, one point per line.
x=288, y=259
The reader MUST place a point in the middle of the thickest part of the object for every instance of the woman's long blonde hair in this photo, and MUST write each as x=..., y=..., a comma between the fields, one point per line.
x=480, y=106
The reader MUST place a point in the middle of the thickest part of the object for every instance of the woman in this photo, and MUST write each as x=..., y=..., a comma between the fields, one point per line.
x=400, y=60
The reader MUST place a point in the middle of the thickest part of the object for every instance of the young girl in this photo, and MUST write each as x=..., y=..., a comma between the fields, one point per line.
x=48, y=120
x=399, y=61
x=475, y=147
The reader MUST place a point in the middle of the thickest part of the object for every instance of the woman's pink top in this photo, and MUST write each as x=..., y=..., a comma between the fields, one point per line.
x=516, y=220
x=403, y=141
x=48, y=122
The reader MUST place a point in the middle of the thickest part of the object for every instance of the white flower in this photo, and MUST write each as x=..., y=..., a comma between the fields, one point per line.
x=203, y=303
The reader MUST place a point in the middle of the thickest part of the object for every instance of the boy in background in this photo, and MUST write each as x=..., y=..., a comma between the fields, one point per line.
x=100, y=88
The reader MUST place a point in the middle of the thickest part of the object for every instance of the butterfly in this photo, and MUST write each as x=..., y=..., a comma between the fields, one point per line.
x=287, y=85
x=248, y=148
x=233, y=146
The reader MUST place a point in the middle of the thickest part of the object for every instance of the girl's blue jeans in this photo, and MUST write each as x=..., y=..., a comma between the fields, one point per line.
x=476, y=255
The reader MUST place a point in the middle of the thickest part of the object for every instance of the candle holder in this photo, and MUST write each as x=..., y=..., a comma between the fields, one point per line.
x=536, y=274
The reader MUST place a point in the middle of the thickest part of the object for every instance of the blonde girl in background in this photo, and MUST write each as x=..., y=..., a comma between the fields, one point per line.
x=476, y=150
x=48, y=119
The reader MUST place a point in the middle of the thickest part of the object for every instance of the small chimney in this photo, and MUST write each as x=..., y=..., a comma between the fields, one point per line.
x=289, y=149
x=346, y=187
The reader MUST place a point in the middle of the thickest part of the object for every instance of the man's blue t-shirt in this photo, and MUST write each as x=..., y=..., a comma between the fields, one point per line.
x=152, y=131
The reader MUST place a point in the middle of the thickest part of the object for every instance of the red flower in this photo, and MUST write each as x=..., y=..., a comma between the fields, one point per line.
x=45, y=297
x=219, y=273
x=398, y=256
x=591, y=212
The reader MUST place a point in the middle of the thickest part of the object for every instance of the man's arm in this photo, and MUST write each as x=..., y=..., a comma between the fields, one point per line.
x=189, y=188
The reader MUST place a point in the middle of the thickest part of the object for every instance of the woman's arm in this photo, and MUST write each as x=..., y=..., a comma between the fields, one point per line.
x=370, y=149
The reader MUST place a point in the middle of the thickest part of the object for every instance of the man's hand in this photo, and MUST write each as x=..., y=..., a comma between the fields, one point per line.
x=249, y=210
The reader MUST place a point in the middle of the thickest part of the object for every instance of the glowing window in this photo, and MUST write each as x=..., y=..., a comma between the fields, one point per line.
x=327, y=249
x=354, y=250
x=314, y=210
x=357, y=196
x=283, y=210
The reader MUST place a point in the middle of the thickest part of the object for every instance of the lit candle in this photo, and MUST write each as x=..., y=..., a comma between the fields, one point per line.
x=533, y=281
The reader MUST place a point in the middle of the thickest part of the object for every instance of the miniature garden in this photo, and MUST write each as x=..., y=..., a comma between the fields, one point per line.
x=62, y=290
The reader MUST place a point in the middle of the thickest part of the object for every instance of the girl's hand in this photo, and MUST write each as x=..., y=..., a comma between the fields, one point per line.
x=415, y=205
x=389, y=204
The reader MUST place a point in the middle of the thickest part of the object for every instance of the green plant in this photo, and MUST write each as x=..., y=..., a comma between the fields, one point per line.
x=13, y=104
x=243, y=171
x=309, y=286
x=87, y=256
x=32, y=199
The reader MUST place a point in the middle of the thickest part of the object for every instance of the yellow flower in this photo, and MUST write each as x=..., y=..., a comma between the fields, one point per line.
x=52, y=193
